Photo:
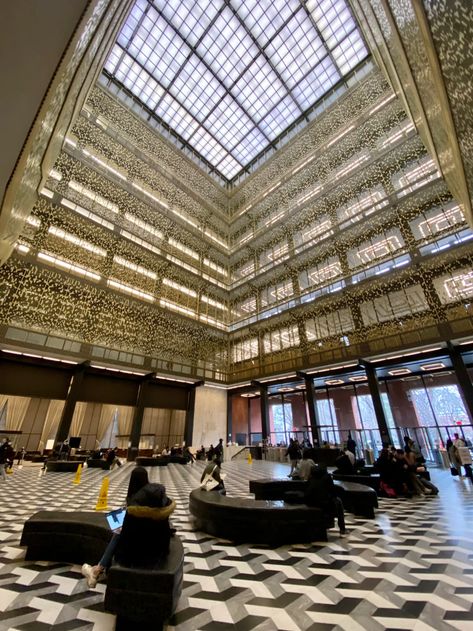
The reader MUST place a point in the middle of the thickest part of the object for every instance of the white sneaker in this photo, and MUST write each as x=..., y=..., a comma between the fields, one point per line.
x=88, y=572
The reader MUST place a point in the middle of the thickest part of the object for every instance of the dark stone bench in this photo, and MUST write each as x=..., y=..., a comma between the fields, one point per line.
x=98, y=463
x=177, y=459
x=160, y=461
x=145, y=461
x=75, y=537
x=357, y=498
x=257, y=521
x=140, y=597
x=368, y=480
x=62, y=465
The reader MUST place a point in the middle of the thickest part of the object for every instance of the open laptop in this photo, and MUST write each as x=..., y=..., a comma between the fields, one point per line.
x=115, y=518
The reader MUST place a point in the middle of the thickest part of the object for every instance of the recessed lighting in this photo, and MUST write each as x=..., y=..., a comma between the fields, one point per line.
x=334, y=382
x=433, y=366
x=286, y=389
x=358, y=378
x=248, y=394
x=399, y=371
x=301, y=386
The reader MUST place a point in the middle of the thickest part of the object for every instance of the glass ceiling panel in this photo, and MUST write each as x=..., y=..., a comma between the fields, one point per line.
x=229, y=76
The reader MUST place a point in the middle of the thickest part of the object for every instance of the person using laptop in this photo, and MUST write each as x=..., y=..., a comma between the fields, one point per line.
x=94, y=573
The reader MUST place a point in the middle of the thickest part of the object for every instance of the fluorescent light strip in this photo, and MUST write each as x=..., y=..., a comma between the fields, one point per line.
x=136, y=268
x=212, y=321
x=94, y=197
x=382, y=104
x=103, y=164
x=22, y=248
x=182, y=288
x=82, y=243
x=125, y=372
x=52, y=359
x=55, y=174
x=128, y=289
x=86, y=213
x=145, y=191
x=46, y=192
x=337, y=138
x=64, y=264
x=175, y=307
x=144, y=244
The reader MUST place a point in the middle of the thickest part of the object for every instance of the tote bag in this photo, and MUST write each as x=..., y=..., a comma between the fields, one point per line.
x=209, y=482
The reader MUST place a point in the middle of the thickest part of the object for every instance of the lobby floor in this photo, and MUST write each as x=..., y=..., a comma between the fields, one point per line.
x=409, y=568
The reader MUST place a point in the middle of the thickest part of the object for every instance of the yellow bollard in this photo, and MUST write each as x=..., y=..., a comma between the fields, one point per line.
x=78, y=474
x=250, y=459
x=103, y=495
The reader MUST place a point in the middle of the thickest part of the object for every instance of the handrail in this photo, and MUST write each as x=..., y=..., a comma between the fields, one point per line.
x=239, y=452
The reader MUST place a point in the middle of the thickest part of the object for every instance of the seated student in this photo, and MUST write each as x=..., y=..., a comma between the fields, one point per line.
x=304, y=467
x=213, y=469
x=146, y=532
x=345, y=463
x=146, y=520
x=320, y=492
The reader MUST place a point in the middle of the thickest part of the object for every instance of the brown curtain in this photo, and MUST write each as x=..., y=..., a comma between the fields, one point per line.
x=16, y=411
x=125, y=419
x=106, y=417
x=51, y=422
x=78, y=419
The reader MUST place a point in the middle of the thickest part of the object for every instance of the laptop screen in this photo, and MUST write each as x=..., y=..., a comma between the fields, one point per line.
x=115, y=518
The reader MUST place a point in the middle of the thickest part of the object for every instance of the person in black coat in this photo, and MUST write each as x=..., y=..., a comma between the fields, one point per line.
x=146, y=532
x=320, y=492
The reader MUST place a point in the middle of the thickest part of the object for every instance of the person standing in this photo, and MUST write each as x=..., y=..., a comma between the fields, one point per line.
x=218, y=451
x=3, y=460
x=351, y=445
x=294, y=453
x=462, y=455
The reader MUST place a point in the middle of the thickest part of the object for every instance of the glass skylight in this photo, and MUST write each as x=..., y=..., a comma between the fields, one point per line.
x=229, y=76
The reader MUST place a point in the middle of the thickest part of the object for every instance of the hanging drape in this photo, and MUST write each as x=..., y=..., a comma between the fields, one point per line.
x=17, y=407
x=106, y=418
x=51, y=421
x=78, y=419
x=125, y=419
x=3, y=405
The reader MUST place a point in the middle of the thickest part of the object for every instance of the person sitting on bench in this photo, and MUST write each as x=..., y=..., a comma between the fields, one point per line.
x=147, y=505
x=320, y=492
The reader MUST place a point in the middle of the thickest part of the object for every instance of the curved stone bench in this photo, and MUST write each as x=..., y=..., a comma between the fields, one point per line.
x=98, y=463
x=146, y=461
x=357, y=498
x=138, y=596
x=257, y=521
x=74, y=537
x=69, y=466
x=368, y=480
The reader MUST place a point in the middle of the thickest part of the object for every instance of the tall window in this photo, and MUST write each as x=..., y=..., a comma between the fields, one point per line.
x=327, y=418
x=282, y=418
x=445, y=403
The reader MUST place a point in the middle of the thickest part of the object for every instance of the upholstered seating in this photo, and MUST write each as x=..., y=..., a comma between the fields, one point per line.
x=144, y=598
x=98, y=463
x=257, y=521
x=62, y=465
x=368, y=480
x=357, y=498
x=76, y=537
x=145, y=461
x=138, y=596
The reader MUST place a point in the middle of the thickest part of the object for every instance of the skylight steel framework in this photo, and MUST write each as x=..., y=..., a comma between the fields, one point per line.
x=230, y=76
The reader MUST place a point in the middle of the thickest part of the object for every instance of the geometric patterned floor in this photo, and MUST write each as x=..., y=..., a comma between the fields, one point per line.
x=409, y=568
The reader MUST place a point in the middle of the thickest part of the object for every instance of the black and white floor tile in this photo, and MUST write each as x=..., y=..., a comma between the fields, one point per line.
x=410, y=568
